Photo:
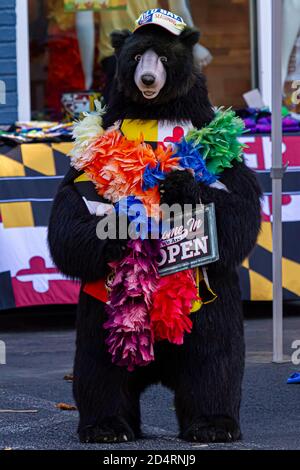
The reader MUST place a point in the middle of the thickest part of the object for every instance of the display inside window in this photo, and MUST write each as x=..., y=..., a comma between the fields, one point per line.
x=72, y=61
x=291, y=55
x=65, y=74
x=95, y=5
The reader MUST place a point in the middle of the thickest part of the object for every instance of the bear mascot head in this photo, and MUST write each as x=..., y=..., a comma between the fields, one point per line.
x=156, y=76
x=159, y=140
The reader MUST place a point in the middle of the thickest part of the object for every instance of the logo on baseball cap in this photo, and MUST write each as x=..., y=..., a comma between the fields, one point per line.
x=164, y=18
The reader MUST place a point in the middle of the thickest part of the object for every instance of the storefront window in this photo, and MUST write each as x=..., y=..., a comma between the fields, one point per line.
x=55, y=57
x=291, y=54
x=70, y=51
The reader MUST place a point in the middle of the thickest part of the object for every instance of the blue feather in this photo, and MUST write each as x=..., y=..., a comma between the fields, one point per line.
x=135, y=211
x=152, y=177
x=191, y=158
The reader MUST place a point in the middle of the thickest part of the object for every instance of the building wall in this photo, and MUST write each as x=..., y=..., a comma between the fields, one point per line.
x=8, y=68
x=225, y=31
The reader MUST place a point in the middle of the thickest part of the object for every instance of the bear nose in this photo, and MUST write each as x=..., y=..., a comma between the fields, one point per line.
x=148, y=79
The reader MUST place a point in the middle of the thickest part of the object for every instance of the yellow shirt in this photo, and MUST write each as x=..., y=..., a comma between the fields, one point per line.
x=120, y=19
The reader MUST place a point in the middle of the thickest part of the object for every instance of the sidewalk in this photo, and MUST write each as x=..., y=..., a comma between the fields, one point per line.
x=38, y=360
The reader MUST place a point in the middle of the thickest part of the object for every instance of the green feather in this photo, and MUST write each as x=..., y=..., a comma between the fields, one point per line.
x=218, y=142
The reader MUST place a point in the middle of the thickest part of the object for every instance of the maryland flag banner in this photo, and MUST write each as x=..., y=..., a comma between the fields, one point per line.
x=31, y=173
x=256, y=273
x=29, y=177
x=94, y=5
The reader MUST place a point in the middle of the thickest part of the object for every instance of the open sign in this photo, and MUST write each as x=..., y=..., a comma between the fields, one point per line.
x=189, y=240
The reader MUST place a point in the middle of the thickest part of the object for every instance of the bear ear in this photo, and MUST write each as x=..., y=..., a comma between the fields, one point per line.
x=118, y=38
x=190, y=36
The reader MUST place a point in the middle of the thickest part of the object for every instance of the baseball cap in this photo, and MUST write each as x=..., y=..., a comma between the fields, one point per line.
x=164, y=18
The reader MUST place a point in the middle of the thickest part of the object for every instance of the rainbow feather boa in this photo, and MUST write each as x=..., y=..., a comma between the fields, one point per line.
x=144, y=308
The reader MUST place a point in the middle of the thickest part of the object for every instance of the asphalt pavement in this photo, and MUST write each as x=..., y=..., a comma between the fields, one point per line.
x=39, y=353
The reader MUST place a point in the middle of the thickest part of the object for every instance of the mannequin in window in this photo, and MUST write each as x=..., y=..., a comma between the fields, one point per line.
x=65, y=72
x=85, y=27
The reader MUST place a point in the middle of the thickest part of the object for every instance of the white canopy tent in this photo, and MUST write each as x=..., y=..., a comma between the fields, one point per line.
x=277, y=176
x=270, y=57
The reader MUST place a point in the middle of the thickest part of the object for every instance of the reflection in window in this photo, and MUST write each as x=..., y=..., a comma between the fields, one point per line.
x=55, y=60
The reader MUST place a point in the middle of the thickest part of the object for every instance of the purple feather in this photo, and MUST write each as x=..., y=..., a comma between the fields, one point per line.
x=130, y=340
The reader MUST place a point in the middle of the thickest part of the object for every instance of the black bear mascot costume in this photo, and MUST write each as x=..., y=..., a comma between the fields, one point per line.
x=159, y=141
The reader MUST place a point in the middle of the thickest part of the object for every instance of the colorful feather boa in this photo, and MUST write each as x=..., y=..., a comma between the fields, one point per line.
x=144, y=308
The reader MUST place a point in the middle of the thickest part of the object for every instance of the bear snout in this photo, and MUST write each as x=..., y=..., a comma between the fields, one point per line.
x=150, y=74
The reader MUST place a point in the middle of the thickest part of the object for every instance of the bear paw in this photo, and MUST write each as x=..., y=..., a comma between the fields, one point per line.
x=212, y=429
x=110, y=430
x=179, y=187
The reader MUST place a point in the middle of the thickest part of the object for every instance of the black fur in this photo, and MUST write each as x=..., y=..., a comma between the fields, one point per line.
x=206, y=372
x=179, y=186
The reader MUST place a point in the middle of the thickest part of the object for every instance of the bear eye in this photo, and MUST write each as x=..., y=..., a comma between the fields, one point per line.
x=163, y=59
x=138, y=57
